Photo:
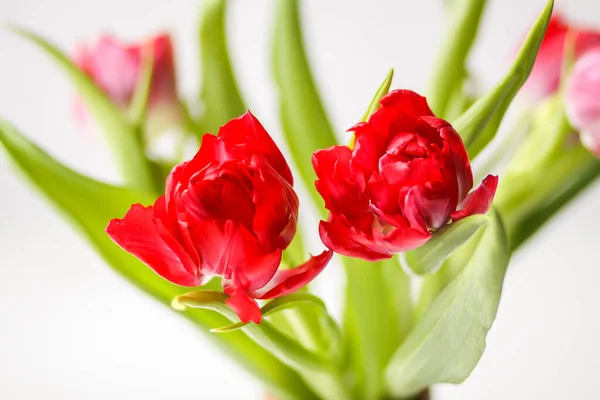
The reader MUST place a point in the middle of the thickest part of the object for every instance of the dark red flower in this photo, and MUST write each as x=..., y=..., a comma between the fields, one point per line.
x=228, y=212
x=408, y=175
x=545, y=76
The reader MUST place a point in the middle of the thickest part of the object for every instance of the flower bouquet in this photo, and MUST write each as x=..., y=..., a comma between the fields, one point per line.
x=209, y=226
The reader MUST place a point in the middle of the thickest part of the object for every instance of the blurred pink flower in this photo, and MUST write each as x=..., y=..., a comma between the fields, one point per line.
x=115, y=67
x=545, y=76
x=582, y=98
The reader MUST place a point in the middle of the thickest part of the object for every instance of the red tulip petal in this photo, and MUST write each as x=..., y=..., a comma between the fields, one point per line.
x=407, y=102
x=287, y=281
x=462, y=165
x=345, y=240
x=336, y=184
x=276, y=207
x=243, y=305
x=231, y=251
x=478, y=201
x=140, y=234
x=245, y=135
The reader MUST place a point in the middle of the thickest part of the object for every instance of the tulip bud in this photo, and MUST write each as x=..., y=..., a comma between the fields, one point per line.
x=117, y=68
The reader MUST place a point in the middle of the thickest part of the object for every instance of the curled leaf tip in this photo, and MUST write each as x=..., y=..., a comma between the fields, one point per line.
x=229, y=328
x=177, y=304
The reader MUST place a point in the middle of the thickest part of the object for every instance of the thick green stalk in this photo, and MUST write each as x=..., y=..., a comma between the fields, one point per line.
x=377, y=317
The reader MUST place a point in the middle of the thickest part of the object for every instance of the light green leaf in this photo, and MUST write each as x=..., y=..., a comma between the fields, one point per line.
x=384, y=88
x=120, y=133
x=141, y=95
x=429, y=257
x=89, y=205
x=449, y=339
x=272, y=307
x=479, y=124
x=303, y=117
x=220, y=95
x=449, y=70
x=316, y=369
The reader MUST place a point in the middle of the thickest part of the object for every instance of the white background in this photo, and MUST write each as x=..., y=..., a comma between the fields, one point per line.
x=71, y=329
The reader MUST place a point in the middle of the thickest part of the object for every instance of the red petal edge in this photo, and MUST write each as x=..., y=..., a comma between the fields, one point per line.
x=287, y=281
x=146, y=238
x=478, y=201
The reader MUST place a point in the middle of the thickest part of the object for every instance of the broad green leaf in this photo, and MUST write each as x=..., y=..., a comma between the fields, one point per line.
x=447, y=342
x=121, y=135
x=479, y=124
x=303, y=117
x=315, y=368
x=89, y=205
x=220, y=95
x=376, y=319
x=429, y=257
x=587, y=172
x=450, y=68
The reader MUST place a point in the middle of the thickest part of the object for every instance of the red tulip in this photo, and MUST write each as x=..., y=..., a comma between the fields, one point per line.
x=408, y=175
x=545, y=76
x=228, y=212
x=115, y=67
x=582, y=96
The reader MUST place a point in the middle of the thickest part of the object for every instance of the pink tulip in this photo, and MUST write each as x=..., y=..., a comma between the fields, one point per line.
x=582, y=98
x=545, y=76
x=115, y=67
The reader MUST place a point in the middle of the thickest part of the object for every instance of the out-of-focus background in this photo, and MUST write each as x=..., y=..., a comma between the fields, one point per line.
x=70, y=328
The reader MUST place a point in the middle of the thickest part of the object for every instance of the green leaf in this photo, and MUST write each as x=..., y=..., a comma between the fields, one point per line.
x=121, y=134
x=479, y=124
x=586, y=173
x=220, y=95
x=429, y=257
x=272, y=307
x=383, y=89
x=449, y=339
x=315, y=368
x=450, y=68
x=303, y=117
x=139, y=102
x=89, y=205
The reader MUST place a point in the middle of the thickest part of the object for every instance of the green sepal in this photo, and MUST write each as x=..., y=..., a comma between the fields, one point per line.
x=306, y=126
x=449, y=339
x=220, y=96
x=479, y=124
x=89, y=205
x=121, y=134
x=430, y=257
